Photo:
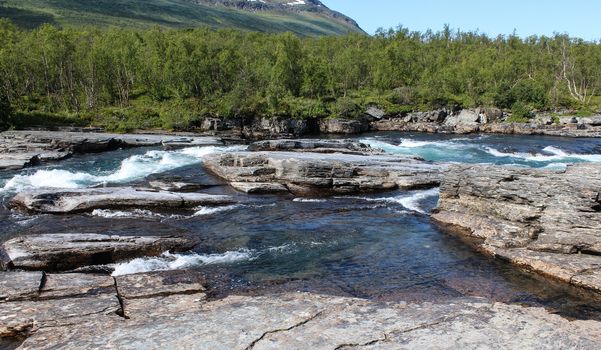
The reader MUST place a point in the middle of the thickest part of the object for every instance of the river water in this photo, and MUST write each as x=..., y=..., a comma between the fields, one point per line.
x=381, y=246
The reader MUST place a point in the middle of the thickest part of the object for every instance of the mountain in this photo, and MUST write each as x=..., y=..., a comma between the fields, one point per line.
x=304, y=17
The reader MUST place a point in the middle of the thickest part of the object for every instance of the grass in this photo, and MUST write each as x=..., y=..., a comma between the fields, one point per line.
x=167, y=13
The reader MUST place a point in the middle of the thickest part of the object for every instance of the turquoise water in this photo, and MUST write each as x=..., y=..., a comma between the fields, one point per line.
x=530, y=151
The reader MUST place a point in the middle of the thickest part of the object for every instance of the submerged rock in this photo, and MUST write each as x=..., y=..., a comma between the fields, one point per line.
x=63, y=201
x=546, y=221
x=67, y=251
x=314, y=174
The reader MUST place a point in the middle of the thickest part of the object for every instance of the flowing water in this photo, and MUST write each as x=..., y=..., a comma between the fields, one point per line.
x=382, y=246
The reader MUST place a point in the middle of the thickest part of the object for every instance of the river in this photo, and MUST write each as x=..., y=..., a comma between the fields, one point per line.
x=378, y=246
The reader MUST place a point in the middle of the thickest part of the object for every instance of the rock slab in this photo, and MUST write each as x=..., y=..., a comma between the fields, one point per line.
x=307, y=321
x=546, y=221
x=317, y=174
x=68, y=251
x=64, y=201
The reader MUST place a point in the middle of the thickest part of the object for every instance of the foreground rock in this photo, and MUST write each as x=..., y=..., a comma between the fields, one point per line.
x=315, y=174
x=545, y=221
x=318, y=146
x=306, y=321
x=19, y=149
x=63, y=201
x=67, y=251
x=170, y=309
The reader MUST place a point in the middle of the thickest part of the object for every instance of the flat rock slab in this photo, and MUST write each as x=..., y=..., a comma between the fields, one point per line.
x=178, y=186
x=259, y=187
x=161, y=283
x=71, y=285
x=545, y=221
x=61, y=252
x=21, y=318
x=20, y=285
x=317, y=174
x=173, y=291
x=314, y=145
x=308, y=321
x=64, y=201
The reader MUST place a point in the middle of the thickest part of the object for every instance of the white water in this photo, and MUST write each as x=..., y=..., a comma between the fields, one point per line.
x=133, y=168
x=169, y=261
x=309, y=200
x=410, y=201
x=119, y=214
x=552, y=154
x=482, y=150
x=205, y=211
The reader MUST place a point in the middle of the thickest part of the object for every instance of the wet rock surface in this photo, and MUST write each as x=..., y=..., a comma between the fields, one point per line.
x=310, y=174
x=545, y=221
x=60, y=252
x=19, y=149
x=62, y=201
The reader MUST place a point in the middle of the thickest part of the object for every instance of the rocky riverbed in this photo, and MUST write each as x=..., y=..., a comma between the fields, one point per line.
x=205, y=247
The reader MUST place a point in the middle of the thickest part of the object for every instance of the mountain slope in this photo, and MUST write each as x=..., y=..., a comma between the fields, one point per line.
x=304, y=17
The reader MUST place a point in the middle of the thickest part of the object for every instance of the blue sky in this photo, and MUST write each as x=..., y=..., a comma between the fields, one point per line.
x=579, y=18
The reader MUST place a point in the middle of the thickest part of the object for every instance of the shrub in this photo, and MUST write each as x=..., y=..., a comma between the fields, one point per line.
x=346, y=108
x=520, y=113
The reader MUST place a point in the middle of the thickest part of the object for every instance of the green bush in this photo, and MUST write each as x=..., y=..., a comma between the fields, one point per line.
x=520, y=113
x=346, y=108
x=555, y=119
x=585, y=113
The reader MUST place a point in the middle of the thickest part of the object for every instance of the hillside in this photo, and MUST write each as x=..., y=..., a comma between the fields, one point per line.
x=304, y=17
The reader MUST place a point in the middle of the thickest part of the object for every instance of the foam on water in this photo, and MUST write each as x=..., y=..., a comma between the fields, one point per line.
x=169, y=261
x=479, y=150
x=205, y=211
x=309, y=200
x=552, y=154
x=410, y=201
x=119, y=214
x=133, y=168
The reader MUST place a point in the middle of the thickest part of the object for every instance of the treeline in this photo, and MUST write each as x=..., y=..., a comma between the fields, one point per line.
x=174, y=78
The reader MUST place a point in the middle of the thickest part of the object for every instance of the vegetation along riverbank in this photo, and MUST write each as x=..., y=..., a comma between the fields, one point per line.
x=126, y=79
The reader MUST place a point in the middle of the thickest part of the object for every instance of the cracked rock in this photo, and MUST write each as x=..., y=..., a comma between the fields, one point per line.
x=545, y=221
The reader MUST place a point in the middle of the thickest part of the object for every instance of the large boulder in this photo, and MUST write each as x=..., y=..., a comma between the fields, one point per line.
x=315, y=174
x=63, y=201
x=314, y=145
x=547, y=221
x=67, y=251
x=343, y=126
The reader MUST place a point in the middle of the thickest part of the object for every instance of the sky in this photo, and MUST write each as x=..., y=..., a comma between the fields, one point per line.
x=579, y=18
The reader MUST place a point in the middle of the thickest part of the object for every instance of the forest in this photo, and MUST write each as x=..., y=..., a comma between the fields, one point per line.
x=123, y=79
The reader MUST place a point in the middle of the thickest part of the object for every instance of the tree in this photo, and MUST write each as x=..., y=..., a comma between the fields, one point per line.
x=5, y=111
